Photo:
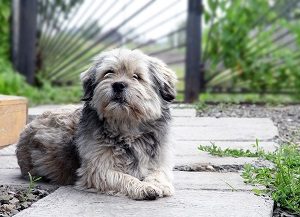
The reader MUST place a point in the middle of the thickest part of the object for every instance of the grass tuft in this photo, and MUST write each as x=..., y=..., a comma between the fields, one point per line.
x=213, y=149
x=282, y=181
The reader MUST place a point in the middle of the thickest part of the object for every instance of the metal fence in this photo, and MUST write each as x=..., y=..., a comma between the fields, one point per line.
x=58, y=39
x=213, y=45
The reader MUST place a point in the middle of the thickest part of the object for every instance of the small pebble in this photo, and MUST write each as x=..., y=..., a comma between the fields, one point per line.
x=31, y=197
x=8, y=207
x=5, y=198
x=218, y=115
x=11, y=192
x=14, y=201
x=24, y=205
x=43, y=192
x=210, y=168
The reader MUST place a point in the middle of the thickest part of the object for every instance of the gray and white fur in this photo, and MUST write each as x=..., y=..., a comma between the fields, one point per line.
x=118, y=142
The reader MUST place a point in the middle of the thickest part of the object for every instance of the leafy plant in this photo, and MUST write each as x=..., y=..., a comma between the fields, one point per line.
x=32, y=182
x=252, y=45
x=213, y=149
x=282, y=181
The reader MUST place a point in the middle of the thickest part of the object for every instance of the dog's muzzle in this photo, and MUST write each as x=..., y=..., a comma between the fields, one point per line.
x=119, y=98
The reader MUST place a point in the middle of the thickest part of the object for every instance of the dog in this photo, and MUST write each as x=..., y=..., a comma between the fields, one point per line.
x=118, y=142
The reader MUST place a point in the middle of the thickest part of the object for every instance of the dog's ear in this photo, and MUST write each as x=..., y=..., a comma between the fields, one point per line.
x=164, y=77
x=88, y=82
x=88, y=77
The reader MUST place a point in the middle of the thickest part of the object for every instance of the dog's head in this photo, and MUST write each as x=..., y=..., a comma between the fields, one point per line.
x=128, y=85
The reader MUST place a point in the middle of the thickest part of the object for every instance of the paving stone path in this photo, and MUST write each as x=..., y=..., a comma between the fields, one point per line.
x=214, y=188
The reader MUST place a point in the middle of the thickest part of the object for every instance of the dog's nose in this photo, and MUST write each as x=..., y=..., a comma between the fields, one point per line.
x=118, y=87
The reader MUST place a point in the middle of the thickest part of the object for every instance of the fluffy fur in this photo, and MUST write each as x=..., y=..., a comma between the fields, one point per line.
x=118, y=142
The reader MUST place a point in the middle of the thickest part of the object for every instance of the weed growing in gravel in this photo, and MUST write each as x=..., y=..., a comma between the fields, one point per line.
x=32, y=183
x=282, y=181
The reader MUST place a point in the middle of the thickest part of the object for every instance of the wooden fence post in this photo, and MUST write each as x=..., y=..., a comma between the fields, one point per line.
x=194, y=77
x=24, y=21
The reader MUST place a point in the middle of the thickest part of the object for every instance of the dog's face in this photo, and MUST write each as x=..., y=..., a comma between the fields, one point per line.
x=128, y=85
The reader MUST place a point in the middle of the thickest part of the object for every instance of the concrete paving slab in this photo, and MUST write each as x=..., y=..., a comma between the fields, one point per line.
x=191, y=147
x=188, y=157
x=186, y=154
x=8, y=151
x=198, y=193
x=182, y=180
x=186, y=127
x=8, y=162
x=183, y=112
x=223, y=129
x=33, y=112
x=223, y=122
x=210, y=181
x=203, y=160
x=69, y=202
x=11, y=177
x=176, y=111
x=196, y=160
x=200, y=161
x=182, y=106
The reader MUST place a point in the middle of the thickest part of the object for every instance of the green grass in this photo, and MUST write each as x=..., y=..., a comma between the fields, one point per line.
x=282, y=181
x=12, y=83
x=32, y=183
x=228, y=152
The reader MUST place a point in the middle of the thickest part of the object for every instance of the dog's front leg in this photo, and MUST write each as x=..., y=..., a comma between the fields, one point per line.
x=163, y=180
x=118, y=182
x=131, y=186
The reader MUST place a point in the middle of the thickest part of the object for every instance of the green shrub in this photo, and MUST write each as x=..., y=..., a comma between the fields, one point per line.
x=242, y=39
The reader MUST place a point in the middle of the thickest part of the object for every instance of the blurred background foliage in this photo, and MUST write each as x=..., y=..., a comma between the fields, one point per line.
x=253, y=45
x=250, y=46
x=12, y=83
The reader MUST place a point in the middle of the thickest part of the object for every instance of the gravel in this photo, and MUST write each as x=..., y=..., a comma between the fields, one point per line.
x=13, y=199
x=286, y=118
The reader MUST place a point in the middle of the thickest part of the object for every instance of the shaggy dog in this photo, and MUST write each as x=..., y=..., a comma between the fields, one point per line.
x=118, y=142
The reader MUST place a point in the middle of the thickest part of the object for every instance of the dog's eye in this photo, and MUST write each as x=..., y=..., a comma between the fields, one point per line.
x=108, y=72
x=135, y=76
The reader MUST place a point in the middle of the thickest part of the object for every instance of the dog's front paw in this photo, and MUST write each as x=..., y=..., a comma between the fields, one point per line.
x=152, y=192
x=146, y=192
x=166, y=188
